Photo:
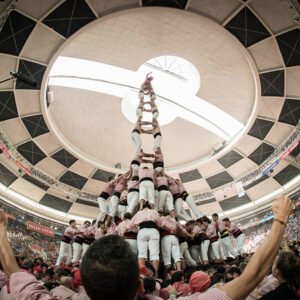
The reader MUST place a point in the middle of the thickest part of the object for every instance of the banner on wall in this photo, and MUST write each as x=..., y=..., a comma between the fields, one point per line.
x=41, y=229
x=21, y=167
x=4, y=150
x=272, y=166
x=240, y=189
x=289, y=150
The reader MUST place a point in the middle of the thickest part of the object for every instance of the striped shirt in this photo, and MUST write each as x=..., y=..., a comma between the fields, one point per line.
x=109, y=187
x=70, y=232
x=133, y=184
x=124, y=227
x=173, y=187
x=211, y=231
x=144, y=216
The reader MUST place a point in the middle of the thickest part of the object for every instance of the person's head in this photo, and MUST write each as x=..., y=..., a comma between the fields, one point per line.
x=101, y=224
x=149, y=285
x=205, y=221
x=67, y=282
x=286, y=267
x=87, y=223
x=166, y=212
x=199, y=282
x=127, y=216
x=110, y=178
x=189, y=225
x=168, y=272
x=45, y=277
x=177, y=180
x=146, y=205
x=211, y=272
x=110, y=270
x=150, y=270
x=231, y=274
x=94, y=222
x=177, y=276
x=72, y=223
x=215, y=217
x=226, y=221
x=117, y=220
x=217, y=278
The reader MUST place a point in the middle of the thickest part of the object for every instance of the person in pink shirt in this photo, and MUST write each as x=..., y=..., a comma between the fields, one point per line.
x=100, y=230
x=225, y=237
x=89, y=237
x=211, y=232
x=148, y=236
x=177, y=200
x=189, y=199
x=135, y=134
x=165, y=198
x=103, y=197
x=129, y=235
x=65, y=244
x=114, y=199
x=133, y=186
x=77, y=245
x=138, y=160
x=238, y=234
x=146, y=187
x=169, y=242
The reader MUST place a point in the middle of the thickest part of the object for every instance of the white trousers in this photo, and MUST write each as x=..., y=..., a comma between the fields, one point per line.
x=195, y=253
x=76, y=252
x=214, y=250
x=157, y=142
x=132, y=201
x=204, y=250
x=136, y=141
x=103, y=209
x=180, y=211
x=113, y=205
x=64, y=251
x=158, y=169
x=191, y=203
x=122, y=210
x=85, y=247
x=240, y=240
x=227, y=247
x=139, y=112
x=165, y=199
x=148, y=239
x=133, y=245
x=147, y=191
x=170, y=249
x=155, y=115
x=185, y=254
x=135, y=169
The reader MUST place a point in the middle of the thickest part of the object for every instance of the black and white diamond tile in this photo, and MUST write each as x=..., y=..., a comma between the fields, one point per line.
x=8, y=108
x=219, y=180
x=296, y=151
x=36, y=182
x=289, y=44
x=32, y=70
x=190, y=176
x=73, y=180
x=89, y=203
x=15, y=32
x=260, y=128
x=260, y=154
x=102, y=175
x=70, y=16
x=6, y=176
x=229, y=159
x=247, y=28
x=234, y=202
x=287, y=174
x=254, y=183
x=35, y=125
x=170, y=3
x=206, y=201
x=290, y=112
x=272, y=83
x=56, y=203
x=31, y=152
x=64, y=157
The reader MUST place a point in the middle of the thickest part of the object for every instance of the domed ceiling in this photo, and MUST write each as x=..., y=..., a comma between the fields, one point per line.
x=247, y=54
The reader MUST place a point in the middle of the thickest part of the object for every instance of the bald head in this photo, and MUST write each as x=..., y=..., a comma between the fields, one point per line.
x=67, y=282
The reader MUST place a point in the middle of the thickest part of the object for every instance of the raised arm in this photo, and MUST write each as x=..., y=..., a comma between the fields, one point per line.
x=263, y=259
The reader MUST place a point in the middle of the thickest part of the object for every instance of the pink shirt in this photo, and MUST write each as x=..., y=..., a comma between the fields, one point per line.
x=24, y=286
x=271, y=283
x=220, y=226
x=197, y=230
x=169, y=222
x=99, y=233
x=112, y=229
x=3, y=279
x=173, y=187
x=181, y=188
x=133, y=184
x=158, y=157
x=90, y=232
x=139, y=157
x=109, y=187
x=121, y=185
x=62, y=292
x=143, y=173
x=124, y=227
x=83, y=230
x=161, y=180
x=70, y=232
x=143, y=216
x=156, y=128
x=124, y=195
x=211, y=231
x=233, y=227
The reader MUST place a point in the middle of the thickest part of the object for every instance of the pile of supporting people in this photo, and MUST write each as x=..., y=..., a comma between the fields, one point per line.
x=145, y=207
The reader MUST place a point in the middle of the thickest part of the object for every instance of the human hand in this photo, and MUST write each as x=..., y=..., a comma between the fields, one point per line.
x=3, y=221
x=282, y=208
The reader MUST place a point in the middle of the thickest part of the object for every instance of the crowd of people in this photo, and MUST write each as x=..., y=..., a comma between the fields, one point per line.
x=139, y=248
